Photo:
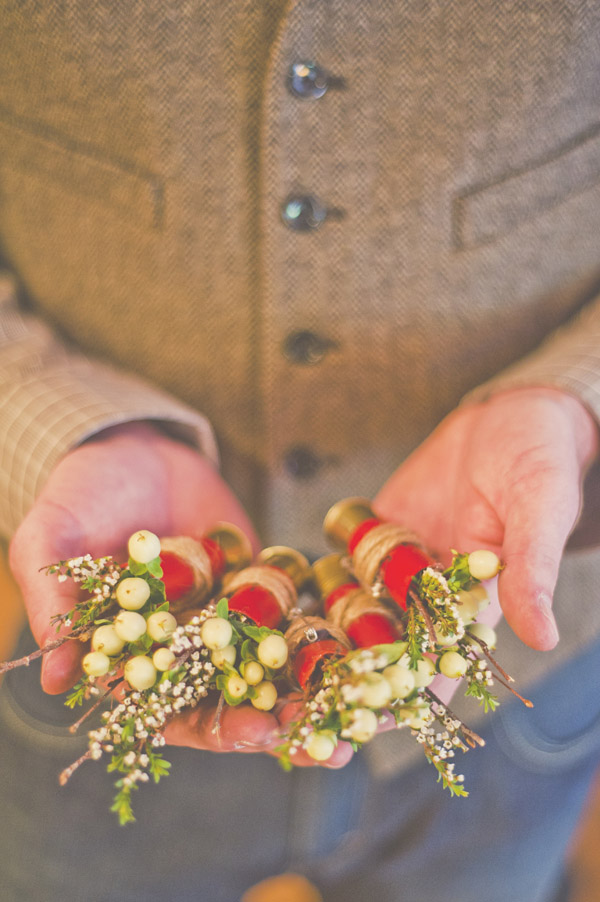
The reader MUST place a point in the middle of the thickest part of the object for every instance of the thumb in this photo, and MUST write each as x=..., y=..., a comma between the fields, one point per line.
x=48, y=534
x=541, y=512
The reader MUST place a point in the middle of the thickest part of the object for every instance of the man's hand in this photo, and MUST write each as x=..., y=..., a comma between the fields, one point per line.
x=505, y=475
x=127, y=478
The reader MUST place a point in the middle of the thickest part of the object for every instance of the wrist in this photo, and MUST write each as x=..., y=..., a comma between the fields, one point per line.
x=584, y=425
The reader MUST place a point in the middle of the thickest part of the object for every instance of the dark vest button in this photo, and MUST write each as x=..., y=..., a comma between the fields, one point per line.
x=301, y=462
x=303, y=213
x=306, y=348
x=306, y=80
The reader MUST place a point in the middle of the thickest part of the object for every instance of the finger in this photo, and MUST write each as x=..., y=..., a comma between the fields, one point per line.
x=541, y=512
x=210, y=502
x=241, y=729
x=47, y=535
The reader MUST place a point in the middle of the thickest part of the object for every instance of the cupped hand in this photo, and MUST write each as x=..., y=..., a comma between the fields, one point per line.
x=504, y=474
x=127, y=478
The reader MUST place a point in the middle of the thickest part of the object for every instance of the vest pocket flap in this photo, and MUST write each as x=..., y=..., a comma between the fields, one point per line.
x=488, y=211
x=81, y=169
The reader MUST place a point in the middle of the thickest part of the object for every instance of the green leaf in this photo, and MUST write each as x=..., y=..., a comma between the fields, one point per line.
x=77, y=694
x=161, y=607
x=223, y=608
x=122, y=806
x=135, y=568
x=159, y=767
x=393, y=651
x=154, y=568
x=248, y=650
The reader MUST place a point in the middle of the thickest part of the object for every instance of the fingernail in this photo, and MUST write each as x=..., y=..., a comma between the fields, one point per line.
x=545, y=607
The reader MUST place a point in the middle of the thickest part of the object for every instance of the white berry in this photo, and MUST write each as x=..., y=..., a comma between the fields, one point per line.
x=485, y=633
x=423, y=674
x=163, y=659
x=400, y=679
x=444, y=639
x=105, y=639
x=272, y=651
x=452, y=665
x=96, y=663
x=129, y=626
x=161, y=625
x=253, y=672
x=483, y=564
x=320, y=746
x=236, y=686
x=222, y=656
x=266, y=695
x=216, y=632
x=375, y=691
x=143, y=546
x=132, y=593
x=470, y=602
x=140, y=673
x=414, y=717
x=363, y=725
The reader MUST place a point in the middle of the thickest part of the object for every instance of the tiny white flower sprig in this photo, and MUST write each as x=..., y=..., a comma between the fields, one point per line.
x=164, y=666
x=98, y=577
x=355, y=696
x=207, y=655
x=356, y=692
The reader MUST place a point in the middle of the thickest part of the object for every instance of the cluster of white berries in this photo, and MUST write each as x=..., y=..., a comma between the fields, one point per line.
x=130, y=626
x=249, y=681
x=363, y=686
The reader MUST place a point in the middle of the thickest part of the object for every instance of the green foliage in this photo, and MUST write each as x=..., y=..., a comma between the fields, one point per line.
x=478, y=690
x=158, y=766
x=78, y=693
x=457, y=574
x=393, y=651
x=122, y=803
x=154, y=568
x=134, y=568
x=223, y=608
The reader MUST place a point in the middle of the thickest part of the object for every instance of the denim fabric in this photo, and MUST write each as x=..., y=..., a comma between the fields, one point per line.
x=220, y=823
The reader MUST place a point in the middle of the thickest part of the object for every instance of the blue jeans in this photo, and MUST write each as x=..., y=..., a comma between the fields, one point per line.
x=220, y=823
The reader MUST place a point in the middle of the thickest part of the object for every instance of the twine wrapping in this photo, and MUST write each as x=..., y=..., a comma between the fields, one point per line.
x=193, y=553
x=356, y=604
x=375, y=546
x=299, y=632
x=273, y=580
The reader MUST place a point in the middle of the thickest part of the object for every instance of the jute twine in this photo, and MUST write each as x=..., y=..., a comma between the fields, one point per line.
x=357, y=603
x=275, y=581
x=375, y=546
x=193, y=553
x=308, y=628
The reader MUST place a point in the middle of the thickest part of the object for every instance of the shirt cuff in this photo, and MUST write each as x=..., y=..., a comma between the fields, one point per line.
x=569, y=359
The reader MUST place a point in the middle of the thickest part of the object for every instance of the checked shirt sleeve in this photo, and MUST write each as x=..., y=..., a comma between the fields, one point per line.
x=53, y=398
x=569, y=359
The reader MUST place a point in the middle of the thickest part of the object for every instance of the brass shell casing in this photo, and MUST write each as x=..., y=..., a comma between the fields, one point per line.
x=292, y=562
x=234, y=544
x=329, y=574
x=344, y=518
